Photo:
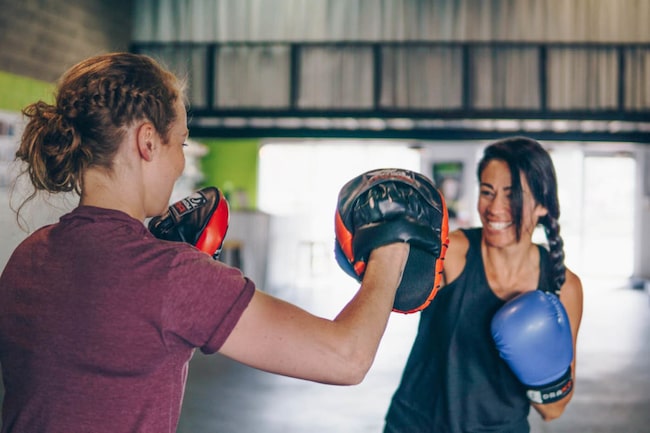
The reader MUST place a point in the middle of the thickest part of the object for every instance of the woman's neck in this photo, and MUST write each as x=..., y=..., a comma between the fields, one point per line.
x=110, y=190
x=511, y=270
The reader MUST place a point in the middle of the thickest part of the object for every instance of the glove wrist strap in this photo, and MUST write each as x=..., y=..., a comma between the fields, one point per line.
x=554, y=391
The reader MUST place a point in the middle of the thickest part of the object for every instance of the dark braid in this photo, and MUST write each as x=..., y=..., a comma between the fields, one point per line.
x=556, y=250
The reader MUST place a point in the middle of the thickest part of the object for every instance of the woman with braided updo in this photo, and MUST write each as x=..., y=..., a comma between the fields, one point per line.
x=500, y=335
x=99, y=318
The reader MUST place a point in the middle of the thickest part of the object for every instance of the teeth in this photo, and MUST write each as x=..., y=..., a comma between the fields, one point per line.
x=500, y=225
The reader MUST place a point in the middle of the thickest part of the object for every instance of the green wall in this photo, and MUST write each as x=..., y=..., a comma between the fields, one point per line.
x=231, y=165
x=17, y=92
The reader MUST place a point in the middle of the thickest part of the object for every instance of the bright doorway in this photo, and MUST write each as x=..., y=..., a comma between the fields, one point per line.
x=299, y=182
x=608, y=217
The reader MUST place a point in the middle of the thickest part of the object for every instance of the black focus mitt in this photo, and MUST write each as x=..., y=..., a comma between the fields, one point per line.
x=384, y=206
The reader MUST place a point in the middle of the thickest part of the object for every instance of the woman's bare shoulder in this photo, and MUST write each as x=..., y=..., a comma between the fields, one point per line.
x=571, y=292
x=458, y=243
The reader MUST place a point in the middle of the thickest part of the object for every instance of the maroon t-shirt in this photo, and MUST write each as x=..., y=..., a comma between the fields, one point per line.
x=98, y=320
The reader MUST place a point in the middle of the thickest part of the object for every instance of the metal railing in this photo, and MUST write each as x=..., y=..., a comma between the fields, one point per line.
x=598, y=91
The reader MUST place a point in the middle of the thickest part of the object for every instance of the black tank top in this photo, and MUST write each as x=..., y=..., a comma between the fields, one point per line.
x=454, y=380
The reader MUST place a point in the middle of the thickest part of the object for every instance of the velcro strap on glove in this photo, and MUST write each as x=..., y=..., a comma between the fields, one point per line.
x=201, y=219
x=553, y=391
x=385, y=206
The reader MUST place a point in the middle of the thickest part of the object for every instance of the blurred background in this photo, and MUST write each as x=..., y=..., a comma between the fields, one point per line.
x=291, y=98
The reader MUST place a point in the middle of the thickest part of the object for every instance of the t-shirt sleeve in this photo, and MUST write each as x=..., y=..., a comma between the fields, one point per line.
x=203, y=302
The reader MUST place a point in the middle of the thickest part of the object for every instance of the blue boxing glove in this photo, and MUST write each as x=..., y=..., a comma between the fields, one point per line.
x=533, y=336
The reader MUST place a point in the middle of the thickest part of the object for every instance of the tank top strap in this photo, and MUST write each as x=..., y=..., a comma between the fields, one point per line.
x=473, y=235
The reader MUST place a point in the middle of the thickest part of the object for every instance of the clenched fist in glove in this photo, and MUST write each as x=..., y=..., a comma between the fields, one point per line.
x=533, y=335
x=200, y=219
x=384, y=206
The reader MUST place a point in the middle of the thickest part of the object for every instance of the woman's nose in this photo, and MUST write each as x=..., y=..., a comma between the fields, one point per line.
x=499, y=204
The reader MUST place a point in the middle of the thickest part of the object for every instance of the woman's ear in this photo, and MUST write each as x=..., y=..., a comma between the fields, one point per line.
x=146, y=140
x=540, y=211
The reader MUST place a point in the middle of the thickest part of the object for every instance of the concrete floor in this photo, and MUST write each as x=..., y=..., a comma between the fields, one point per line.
x=612, y=387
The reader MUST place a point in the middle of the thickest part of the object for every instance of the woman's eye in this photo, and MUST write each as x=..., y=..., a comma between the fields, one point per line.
x=185, y=144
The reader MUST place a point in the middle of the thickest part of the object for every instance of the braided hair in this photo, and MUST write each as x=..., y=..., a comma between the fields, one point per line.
x=526, y=156
x=96, y=101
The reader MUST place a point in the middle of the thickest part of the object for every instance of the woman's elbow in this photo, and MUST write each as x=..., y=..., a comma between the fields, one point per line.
x=354, y=371
x=352, y=366
x=350, y=378
x=548, y=416
x=552, y=411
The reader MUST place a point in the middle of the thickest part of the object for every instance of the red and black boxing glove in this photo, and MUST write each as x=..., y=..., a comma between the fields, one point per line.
x=394, y=205
x=201, y=219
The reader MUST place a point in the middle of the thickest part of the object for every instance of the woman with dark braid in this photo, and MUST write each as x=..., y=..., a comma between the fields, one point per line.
x=500, y=335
